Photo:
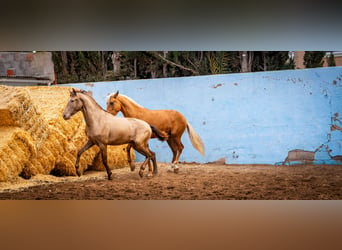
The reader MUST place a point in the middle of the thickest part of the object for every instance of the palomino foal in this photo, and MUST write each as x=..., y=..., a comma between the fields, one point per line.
x=171, y=122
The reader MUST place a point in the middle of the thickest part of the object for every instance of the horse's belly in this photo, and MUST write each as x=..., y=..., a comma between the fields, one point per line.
x=118, y=138
x=111, y=138
x=118, y=141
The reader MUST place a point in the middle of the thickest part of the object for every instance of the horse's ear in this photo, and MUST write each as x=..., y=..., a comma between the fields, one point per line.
x=73, y=92
x=116, y=94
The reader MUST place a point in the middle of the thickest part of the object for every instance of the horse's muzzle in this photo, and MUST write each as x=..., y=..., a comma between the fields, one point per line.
x=66, y=117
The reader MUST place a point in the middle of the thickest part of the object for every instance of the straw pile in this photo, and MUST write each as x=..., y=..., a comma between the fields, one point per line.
x=36, y=139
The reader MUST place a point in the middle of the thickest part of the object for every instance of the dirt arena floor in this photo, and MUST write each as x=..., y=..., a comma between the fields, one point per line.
x=193, y=182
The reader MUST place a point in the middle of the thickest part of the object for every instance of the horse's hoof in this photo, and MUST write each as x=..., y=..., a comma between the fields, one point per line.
x=175, y=168
x=132, y=168
x=149, y=175
x=78, y=173
x=110, y=177
x=141, y=173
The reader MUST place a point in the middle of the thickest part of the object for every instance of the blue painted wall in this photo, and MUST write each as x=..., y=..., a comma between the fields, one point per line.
x=247, y=118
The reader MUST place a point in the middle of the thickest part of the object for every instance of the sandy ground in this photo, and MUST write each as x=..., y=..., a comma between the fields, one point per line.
x=193, y=182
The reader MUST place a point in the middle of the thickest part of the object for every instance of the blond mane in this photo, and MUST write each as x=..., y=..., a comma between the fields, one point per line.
x=125, y=97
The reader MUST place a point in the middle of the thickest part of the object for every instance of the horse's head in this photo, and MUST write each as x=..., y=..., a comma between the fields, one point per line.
x=113, y=104
x=74, y=105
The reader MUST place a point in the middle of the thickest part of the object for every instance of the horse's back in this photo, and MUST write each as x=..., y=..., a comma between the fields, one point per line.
x=129, y=123
x=138, y=123
x=166, y=120
x=176, y=117
x=141, y=130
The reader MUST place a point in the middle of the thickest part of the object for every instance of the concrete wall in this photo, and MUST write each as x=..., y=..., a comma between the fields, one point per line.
x=27, y=64
x=249, y=118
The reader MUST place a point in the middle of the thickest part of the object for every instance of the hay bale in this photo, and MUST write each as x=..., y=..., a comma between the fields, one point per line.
x=30, y=169
x=37, y=140
x=6, y=118
x=16, y=149
x=3, y=172
x=64, y=167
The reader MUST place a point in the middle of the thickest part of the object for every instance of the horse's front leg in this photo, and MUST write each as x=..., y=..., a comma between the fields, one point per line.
x=86, y=146
x=103, y=149
x=131, y=164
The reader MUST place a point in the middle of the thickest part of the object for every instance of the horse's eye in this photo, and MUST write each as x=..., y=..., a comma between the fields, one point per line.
x=111, y=103
x=71, y=101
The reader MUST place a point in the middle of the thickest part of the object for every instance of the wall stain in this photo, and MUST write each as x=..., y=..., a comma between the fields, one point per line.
x=221, y=161
x=334, y=126
x=217, y=85
x=300, y=155
x=234, y=155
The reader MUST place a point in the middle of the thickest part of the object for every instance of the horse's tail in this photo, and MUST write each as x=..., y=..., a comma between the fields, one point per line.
x=161, y=135
x=196, y=141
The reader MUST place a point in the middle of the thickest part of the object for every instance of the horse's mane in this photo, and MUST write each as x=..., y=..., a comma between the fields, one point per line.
x=126, y=97
x=90, y=97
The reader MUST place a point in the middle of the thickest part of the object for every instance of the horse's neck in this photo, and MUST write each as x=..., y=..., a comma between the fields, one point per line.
x=91, y=112
x=131, y=109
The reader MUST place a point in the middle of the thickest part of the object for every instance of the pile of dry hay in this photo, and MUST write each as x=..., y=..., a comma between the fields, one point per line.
x=36, y=139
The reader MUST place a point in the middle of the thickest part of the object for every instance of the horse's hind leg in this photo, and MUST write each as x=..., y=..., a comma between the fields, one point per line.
x=180, y=148
x=152, y=157
x=142, y=167
x=155, y=167
x=177, y=148
x=103, y=149
x=131, y=164
x=144, y=150
x=173, y=148
x=86, y=146
x=150, y=173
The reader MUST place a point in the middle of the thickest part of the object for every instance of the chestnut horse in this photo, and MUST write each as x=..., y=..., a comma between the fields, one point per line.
x=104, y=129
x=171, y=122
